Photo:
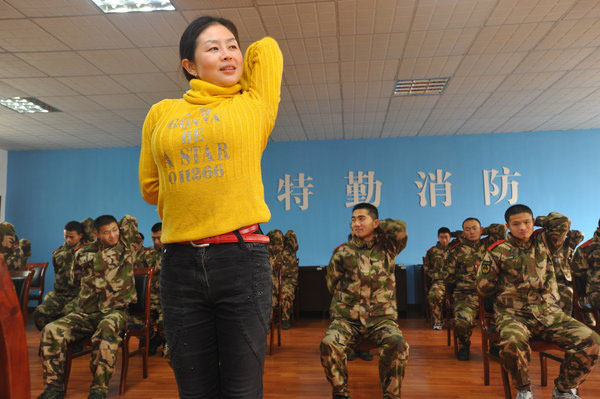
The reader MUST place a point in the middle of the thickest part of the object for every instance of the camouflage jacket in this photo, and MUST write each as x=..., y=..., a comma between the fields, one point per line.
x=522, y=277
x=361, y=276
x=465, y=257
x=289, y=260
x=107, y=283
x=151, y=257
x=63, y=260
x=88, y=231
x=15, y=259
x=586, y=263
x=434, y=262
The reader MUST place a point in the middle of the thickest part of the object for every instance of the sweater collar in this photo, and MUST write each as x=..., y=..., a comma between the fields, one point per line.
x=203, y=93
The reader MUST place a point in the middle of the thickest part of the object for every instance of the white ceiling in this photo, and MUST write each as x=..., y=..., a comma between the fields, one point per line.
x=515, y=65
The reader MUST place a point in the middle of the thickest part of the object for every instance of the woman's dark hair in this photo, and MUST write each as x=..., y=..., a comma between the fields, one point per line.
x=187, y=43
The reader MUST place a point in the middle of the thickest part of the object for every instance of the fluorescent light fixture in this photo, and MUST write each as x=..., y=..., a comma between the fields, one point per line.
x=26, y=105
x=121, y=6
x=420, y=87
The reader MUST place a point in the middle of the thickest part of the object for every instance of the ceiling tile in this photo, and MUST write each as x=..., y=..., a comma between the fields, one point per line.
x=553, y=60
x=210, y=4
x=473, y=84
x=60, y=63
x=428, y=67
x=530, y=81
x=372, y=47
x=360, y=71
x=119, y=61
x=490, y=64
x=165, y=58
x=449, y=14
x=24, y=35
x=72, y=103
x=293, y=21
x=519, y=11
x=85, y=33
x=362, y=90
x=311, y=74
x=308, y=51
x=323, y=126
x=363, y=124
x=247, y=21
x=573, y=34
x=509, y=38
x=7, y=11
x=584, y=9
x=440, y=42
x=151, y=29
x=40, y=86
x=52, y=8
x=119, y=101
x=13, y=67
x=90, y=85
x=359, y=17
x=146, y=82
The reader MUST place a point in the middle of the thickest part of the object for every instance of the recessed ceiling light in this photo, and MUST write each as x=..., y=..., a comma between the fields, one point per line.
x=121, y=6
x=419, y=87
x=26, y=105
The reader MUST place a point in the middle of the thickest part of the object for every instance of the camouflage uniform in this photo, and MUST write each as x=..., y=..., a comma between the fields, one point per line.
x=586, y=264
x=461, y=271
x=562, y=256
x=289, y=276
x=88, y=231
x=62, y=300
x=107, y=288
x=14, y=257
x=276, y=260
x=434, y=269
x=361, y=278
x=522, y=277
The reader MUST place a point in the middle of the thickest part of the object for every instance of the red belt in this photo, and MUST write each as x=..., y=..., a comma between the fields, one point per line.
x=245, y=233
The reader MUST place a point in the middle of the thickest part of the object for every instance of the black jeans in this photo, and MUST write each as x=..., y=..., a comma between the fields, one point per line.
x=217, y=302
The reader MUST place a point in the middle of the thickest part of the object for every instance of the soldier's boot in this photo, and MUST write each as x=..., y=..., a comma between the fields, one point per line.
x=572, y=394
x=285, y=324
x=97, y=394
x=52, y=392
x=365, y=355
x=340, y=396
x=524, y=394
x=463, y=352
x=437, y=326
x=155, y=341
x=351, y=355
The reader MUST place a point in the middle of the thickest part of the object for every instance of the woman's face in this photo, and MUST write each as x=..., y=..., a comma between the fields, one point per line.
x=218, y=58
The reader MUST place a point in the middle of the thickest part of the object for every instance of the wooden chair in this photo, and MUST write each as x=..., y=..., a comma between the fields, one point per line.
x=489, y=340
x=448, y=314
x=581, y=307
x=277, y=313
x=22, y=282
x=14, y=360
x=37, y=284
x=143, y=287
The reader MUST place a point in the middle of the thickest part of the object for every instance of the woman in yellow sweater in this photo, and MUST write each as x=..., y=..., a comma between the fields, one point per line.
x=200, y=162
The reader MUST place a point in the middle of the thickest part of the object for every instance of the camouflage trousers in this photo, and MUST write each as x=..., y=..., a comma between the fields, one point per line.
x=393, y=353
x=466, y=309
x=582, y=346
x=435, y=299
x=54, y=307
x=565, y=290
x=288, y=292
x=106, y=332
x=595, y=299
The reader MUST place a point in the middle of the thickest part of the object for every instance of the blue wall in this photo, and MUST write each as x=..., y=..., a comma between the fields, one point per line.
x=558, y=172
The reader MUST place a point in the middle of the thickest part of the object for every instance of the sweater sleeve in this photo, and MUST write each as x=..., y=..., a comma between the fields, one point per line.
x=147, y=170
x=263, y=70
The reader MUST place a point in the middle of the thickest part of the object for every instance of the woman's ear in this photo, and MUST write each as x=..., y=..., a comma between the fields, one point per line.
x=189, y=66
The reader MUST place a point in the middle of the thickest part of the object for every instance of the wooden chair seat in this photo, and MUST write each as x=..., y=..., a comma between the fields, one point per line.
x=22, y=282
x=37, y=283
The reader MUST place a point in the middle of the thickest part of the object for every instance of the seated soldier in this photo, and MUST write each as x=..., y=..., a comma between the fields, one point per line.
x=562, y=243
x=586, y=265
x=361, y=278
x=520, y=272
x=107, y=288
x=461, y=272
x=10, y=250
x=88, y=231
x=62, y=300
x=434, y=268
x=289, y=277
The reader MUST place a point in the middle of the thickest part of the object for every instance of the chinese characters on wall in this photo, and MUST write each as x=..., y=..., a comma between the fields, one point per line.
x=434, y=188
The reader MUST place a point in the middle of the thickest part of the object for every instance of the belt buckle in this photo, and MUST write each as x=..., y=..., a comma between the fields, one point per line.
x=193, y=244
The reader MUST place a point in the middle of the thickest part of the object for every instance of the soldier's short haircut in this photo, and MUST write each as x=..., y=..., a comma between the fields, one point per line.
x=75, y=226
x=470, y=218
x=103, y=221
x=372, y=209
x=141, y=235
x=516, y=209
x=443, y=230
x=157, y=227
x=599, y=223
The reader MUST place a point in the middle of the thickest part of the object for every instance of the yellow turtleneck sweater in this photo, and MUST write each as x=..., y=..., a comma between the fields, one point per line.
x=200, y=156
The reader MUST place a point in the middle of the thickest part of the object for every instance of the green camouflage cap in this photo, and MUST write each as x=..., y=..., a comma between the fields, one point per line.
x=557, y=222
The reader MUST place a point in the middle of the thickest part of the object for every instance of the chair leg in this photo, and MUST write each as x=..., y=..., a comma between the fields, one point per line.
x=145, y=358
x=271, y=336
x=449, y=333
x=506, y=383
x=124, y=363
x=279, y=326
x=68, y=360
x=544, y=367
x=486, y=368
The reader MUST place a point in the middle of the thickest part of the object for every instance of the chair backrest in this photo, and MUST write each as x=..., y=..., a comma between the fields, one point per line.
x=22, y=281
x=487, y=319
x=14, y=360
x=143, y=287
x=39, y=275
